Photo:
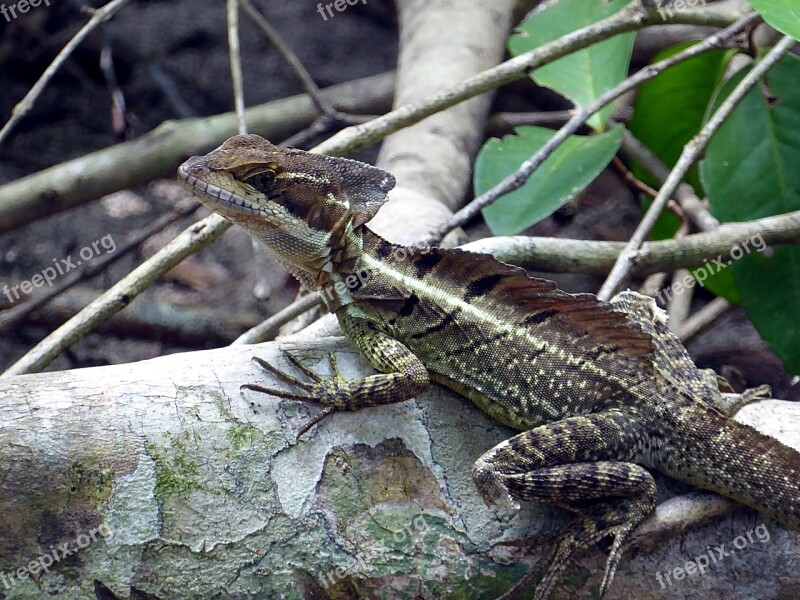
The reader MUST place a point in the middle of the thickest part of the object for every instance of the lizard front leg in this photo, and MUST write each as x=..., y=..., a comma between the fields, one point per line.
x=580, y=464
x=403, y=375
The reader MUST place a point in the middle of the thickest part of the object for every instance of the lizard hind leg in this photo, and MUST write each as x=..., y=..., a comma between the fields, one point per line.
x=579, y=464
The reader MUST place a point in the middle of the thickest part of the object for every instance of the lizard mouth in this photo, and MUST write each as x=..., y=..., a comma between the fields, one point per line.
x=195, y=177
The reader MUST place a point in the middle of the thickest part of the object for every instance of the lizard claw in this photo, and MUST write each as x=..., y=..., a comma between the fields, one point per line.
x=317, y=390
x=328, y=410
x=491, y=487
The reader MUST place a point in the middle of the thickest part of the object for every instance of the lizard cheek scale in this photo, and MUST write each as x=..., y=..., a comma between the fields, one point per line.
x=599, y=392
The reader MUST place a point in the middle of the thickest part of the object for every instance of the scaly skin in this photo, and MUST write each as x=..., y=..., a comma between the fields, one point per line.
x=601, y=392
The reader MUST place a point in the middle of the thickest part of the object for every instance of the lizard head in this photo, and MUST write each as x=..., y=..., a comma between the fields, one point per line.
x=305, y=208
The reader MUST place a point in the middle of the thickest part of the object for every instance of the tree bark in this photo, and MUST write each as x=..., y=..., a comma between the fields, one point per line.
x=167, y=480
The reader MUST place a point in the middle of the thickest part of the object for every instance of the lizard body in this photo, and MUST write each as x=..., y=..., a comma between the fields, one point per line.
x=598, y=390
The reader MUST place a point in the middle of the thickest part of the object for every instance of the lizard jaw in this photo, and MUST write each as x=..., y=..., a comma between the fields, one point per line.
x=214, y=197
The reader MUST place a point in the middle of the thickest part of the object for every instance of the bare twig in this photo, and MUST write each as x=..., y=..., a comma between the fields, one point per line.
x=558, y=255
x=702, y=319
x=289, y=57
x=181, y=325
x=631, y=179
x=168, y=87
x=630, y=18
x=118, y=112
x=680, y=303
x=23, y=106
x=693, y=208
x=236, y=63
x=653, y=284
x=691, y=152
x=526, y=169
x=504, y=121
x=329, y=117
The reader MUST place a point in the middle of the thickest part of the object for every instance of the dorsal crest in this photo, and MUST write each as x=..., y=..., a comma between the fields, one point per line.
x=367, y=186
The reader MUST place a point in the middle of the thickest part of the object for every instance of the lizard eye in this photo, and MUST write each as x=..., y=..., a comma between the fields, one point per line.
x=262, y=182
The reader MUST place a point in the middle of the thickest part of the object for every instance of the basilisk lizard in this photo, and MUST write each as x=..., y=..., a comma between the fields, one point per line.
x=600, y=391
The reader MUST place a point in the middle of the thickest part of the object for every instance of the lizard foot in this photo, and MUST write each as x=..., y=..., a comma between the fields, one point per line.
x=579, y=535
x=321, y=390
x=730, y=404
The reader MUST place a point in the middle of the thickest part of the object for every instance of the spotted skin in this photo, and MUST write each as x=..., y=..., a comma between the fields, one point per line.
x=600, y=392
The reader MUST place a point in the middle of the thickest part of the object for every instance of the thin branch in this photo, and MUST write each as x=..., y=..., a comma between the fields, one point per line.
x=653, y=284
x=692, y=207
x=289, y=57
x=169, y=89
x=702, y=319
x=558, y=255
x=526, y=169
x=24, y=106
x=505, y=121
x=631, y=179
x=691, y=152
x=680, y=303
x=329, y=117
x=118, y=110
x=236, y=63
x=630, y=18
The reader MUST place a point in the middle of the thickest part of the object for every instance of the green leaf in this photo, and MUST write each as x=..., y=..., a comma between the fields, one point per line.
x=783, y=15
x=750, y=171
x=561, y=177
x=585, y=75
x=669, y=111
x=670, y=108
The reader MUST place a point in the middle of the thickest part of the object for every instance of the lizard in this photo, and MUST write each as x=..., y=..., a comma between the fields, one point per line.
x=600, y=392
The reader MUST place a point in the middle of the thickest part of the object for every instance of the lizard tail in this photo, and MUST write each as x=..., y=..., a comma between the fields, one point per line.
x=739, y=462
